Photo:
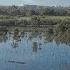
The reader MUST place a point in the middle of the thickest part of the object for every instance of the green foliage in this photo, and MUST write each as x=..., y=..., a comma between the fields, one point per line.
x=30, y=10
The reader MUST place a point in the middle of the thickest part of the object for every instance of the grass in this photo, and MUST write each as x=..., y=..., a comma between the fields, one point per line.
x=41, y=17
x=35, y=20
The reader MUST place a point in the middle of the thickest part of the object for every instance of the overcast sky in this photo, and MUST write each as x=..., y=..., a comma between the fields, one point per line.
x=36, y=2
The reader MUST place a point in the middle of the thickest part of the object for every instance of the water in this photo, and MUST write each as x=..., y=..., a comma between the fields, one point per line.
x=33, y=50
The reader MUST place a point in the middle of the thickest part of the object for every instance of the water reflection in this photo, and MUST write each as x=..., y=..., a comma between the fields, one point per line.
x=18, y=45
x=35, y=46
x=17, y=35
x=3, y=36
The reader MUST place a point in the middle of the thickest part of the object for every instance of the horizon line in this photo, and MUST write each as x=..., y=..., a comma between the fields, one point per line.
x=38, y=5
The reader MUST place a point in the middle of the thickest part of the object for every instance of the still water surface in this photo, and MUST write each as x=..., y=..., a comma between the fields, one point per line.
x=23, y=50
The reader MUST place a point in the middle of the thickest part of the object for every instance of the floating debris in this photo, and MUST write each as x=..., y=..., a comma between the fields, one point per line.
x=16, y=62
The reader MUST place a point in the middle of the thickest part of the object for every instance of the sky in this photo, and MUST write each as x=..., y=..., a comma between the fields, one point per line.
x=36, y=2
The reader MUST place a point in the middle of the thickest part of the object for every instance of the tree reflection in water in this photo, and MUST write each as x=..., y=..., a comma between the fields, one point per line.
x=35, y=47
x=3, y=36
x=16, y=38
x=17, y=35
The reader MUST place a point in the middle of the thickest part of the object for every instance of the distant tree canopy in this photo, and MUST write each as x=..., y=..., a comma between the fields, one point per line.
x=29, y=10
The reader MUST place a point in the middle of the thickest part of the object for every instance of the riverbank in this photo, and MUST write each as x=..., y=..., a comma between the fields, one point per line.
x=36, y=21
x=50, y=23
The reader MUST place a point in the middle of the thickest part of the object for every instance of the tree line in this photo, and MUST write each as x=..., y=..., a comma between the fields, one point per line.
x=29, y=10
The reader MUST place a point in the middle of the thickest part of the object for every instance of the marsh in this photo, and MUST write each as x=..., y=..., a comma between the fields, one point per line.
x=35, y=35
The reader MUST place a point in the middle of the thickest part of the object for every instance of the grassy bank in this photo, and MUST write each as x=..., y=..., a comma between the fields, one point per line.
x=34, y=21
